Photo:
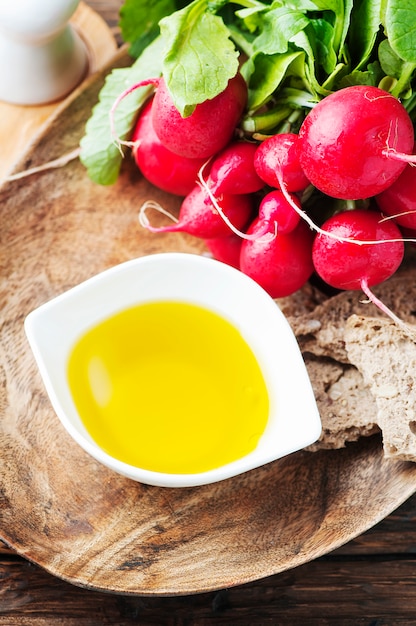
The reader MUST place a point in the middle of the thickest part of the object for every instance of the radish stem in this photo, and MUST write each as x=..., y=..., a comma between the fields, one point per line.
x=116, y=139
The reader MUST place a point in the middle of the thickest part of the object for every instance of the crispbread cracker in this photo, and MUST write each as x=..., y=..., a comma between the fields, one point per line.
x=322, y=330
x=361, y=364
x=304, y=300
x=346, y=406
x=386, y=357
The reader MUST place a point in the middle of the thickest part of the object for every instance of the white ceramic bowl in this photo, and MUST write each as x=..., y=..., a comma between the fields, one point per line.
x=53, y=328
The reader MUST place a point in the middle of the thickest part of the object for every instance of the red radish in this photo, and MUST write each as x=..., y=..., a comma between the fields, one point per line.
x=355, y=142
x=163, y=168
x=399, y=200
x=199, y=217
x=280, y=264
x=208, y=129
x=277, y=160
x=274, y=207
x=345, y=265
x=226, y=249
x=232, y=170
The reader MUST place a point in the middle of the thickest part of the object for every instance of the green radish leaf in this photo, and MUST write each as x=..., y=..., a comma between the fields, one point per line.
x=99, y=154
x=307, y=43
x=268, y=73
x=343, y=27
x=371, y=76
x=242, y=39
x=251, y=18
x=307, y=5
x=390, y=62
x=341, y=10
x=199, y=57
x=139, y=22
x=366, y=18
x=400, y=25
x=336, y=6
x=279, y=26
x=326, y=55
x=332, y=82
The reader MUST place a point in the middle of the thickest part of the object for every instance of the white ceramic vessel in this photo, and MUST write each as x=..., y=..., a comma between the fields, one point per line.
x=54, y=328
x=42, y=57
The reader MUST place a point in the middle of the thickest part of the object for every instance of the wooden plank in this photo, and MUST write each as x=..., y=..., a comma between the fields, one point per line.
x=370, y=580
x=396, y=534
x=351, y=591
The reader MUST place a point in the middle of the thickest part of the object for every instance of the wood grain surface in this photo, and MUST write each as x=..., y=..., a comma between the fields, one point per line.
x=368, y=582
x=226, y=542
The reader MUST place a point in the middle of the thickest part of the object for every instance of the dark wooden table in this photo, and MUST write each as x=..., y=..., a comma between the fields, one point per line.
x=371, y=580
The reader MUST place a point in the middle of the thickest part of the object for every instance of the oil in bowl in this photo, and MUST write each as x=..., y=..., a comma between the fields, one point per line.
x=169, y=387
x=174, y=370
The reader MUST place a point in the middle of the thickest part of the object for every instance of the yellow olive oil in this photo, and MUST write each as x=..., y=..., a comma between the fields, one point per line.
x=169, y=387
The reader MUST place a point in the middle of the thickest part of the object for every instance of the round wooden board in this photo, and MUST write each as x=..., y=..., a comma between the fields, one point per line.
x=81, y=522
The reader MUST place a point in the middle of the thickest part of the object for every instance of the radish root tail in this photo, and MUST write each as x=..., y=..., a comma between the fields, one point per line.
x=392, y=153
x=387, y=218
x=54, y=164
x=263, y=234
x=326, y=233
x=387, y=311
x=144, y=220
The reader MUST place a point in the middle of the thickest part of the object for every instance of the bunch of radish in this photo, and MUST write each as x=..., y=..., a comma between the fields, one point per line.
x=249, y=199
